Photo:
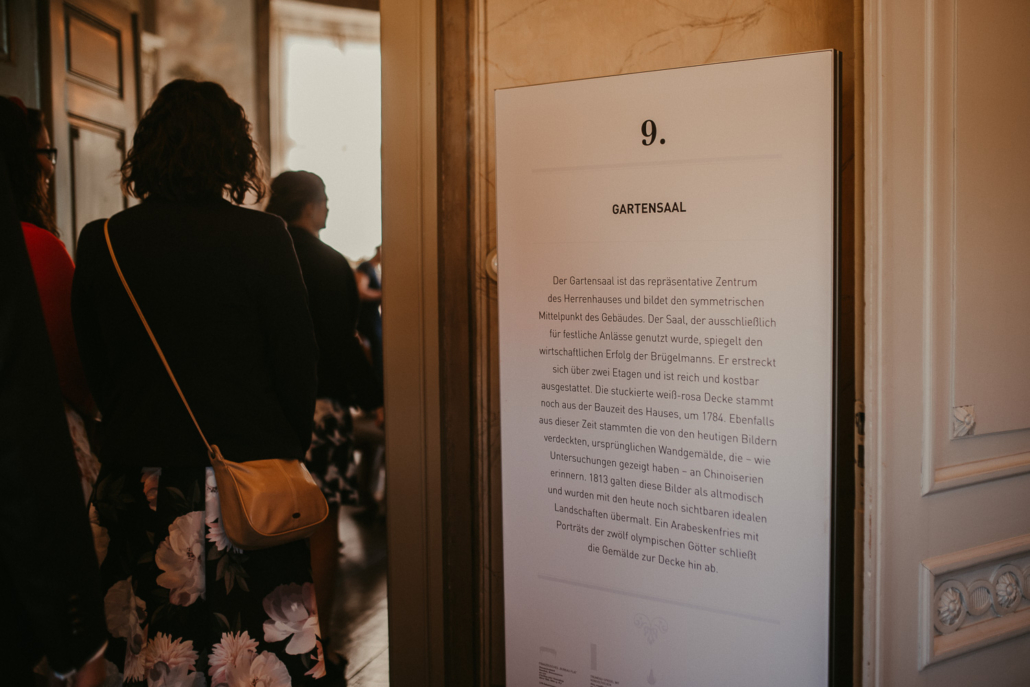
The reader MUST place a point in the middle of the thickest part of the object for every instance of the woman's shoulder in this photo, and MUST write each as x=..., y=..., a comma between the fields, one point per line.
x=91, y=238
x=262, y=224
x=43, y=247
x=40, y=238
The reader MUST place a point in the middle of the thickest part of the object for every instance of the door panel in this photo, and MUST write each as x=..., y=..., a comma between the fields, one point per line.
x=992, y=242
x=93, y=50
x=19, y=73
x=947, y=565
x=94, y=108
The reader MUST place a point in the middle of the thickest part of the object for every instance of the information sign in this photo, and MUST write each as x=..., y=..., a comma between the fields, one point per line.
x=667, y=251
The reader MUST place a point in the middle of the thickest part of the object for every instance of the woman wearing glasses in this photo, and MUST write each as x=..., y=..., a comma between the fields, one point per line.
x=53, y=270
x=46, y=154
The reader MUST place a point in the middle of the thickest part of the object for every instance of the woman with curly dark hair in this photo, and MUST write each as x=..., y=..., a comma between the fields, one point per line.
x=223, y=295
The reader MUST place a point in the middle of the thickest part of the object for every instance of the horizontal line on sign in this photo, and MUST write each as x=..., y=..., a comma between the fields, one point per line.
x=663, y=163
x=648, y=597
x=660, y=241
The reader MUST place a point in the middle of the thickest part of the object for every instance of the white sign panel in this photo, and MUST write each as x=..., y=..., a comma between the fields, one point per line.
x=666, y=248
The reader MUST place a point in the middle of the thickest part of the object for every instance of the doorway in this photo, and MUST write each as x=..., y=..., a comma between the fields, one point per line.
x=325, y=118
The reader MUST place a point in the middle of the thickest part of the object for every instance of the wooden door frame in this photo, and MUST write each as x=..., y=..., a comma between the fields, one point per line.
x=411, y=341
x=432, y=323
x=872, y=225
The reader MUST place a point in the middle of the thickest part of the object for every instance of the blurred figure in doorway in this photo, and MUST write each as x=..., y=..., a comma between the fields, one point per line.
x=370, y=441
x=370, y=317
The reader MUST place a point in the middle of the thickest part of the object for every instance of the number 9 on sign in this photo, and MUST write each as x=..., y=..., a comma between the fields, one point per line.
x=649, y=130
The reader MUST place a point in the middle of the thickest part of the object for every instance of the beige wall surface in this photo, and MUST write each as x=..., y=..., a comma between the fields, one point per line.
x=524, y=42
x=213, y=41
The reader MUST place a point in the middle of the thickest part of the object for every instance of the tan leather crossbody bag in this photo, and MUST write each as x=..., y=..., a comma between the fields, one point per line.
x=264, y=502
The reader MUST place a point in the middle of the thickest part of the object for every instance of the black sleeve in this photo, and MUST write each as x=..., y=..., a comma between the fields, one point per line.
x=289, y=334
x=367, y=387
x=334, y=293
x=91, y=254
x=350, y=300
x=48, y=567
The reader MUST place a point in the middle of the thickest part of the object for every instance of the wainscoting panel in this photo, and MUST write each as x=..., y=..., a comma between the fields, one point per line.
x=976, y=243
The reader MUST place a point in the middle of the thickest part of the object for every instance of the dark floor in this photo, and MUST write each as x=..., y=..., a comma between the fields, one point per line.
x=359, y=623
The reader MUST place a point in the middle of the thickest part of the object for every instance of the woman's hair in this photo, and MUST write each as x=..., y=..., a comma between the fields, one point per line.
x=193, y=142
x=35, y=120
x=28, y=182
x=291, y=191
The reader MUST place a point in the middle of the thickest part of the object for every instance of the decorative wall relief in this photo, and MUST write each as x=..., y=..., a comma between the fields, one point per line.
x=963, y=421
x=974, y=598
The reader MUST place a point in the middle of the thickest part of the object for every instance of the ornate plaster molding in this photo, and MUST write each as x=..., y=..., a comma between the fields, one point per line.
x=963, y=421
x=974, y=598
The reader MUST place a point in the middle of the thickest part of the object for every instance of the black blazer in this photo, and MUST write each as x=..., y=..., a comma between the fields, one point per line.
x=344, y=372
x=223, y=293
x=48, y=568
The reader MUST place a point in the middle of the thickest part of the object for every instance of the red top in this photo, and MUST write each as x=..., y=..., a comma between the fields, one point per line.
x=53, y=269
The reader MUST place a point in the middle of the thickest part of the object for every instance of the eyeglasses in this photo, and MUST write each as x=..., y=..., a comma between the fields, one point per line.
x=51, y=154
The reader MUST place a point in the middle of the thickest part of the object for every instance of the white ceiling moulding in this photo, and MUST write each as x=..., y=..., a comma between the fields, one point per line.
x=338, y=23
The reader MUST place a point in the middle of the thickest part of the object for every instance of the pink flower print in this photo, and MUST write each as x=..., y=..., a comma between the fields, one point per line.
x=292, y=615
x=236, y=650
x=181, y=556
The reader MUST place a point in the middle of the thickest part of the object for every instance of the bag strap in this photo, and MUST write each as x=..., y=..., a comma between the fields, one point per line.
x=153, y=339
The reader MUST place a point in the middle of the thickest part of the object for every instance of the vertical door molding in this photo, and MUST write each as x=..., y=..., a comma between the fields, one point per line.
x=263, y=80
x=490, y=579
x=411, y=341
x=872, y=375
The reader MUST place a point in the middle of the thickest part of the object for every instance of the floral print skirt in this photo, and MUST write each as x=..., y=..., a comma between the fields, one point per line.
x=88, y=464
x=330, y=458
x=184, y=606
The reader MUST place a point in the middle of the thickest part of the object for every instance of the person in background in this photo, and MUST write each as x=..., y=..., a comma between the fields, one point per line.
x=369, y=438
x=223, y=294
x=370, y=318
x=48, y=568
x=343, y=371
x=53, y=270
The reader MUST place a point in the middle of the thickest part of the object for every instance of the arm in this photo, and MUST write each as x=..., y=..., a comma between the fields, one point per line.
x=368, y=389
x=365, y=290
x=289, y=334
x=334, y=299
x=92, y=352
x=53, y=270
